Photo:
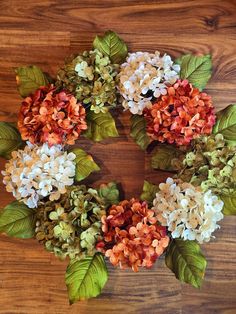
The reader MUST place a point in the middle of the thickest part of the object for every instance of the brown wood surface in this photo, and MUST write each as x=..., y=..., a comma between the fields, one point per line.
x=44, y=33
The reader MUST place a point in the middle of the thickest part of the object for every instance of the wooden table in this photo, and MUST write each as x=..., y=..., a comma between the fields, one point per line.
x=44, y=33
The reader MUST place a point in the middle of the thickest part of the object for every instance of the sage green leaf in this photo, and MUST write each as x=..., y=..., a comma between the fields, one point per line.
x=226, y=124
x=100, y=126
x=85, y=278
x=111, y=45
x=186, y=261
x=229, y=203
x=196, y=69
x=85, y=164
x=109, y=193
x=17, y=220
x=30, y=78
x=149, y=192
x=10, y=139
x=164, y=156
x=138, y=131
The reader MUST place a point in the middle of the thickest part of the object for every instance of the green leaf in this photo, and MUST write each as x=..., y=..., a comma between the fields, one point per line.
x=30, y=78
x=138, y=131
x=100, y=126
x=109, y=193
x=196, y=69
x=84, y=164
x=111, y=45
x=17, y=220
x=229, y=203
x=226, y=124
x=86, y=278
x=10, y=139
x=186, y=261
x=149, y=192
x=163, y=157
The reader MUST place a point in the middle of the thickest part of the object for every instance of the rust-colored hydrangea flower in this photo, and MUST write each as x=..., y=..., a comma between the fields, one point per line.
x=181, y=115
x=132, y=236
x=51, y=116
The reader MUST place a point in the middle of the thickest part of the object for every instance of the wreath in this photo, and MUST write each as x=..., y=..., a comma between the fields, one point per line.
x=170, y=113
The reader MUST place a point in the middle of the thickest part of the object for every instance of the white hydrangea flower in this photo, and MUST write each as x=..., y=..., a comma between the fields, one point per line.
x=144, y=76
x=188, y=212
x=39, y=171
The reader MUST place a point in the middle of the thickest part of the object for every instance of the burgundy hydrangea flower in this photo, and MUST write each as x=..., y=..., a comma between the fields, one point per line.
x=51, y=116
x=181, y=115
x=132, y=235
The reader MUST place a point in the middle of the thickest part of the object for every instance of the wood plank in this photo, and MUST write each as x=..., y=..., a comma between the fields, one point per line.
x=44, y=33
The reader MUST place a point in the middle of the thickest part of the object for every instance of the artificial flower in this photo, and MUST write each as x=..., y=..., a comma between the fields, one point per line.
x=211, y=163
x=37, y=172
x=52, y=117
x=132, y=235
x=187, y=211
x=71, y=225
x=90, y=76
x=144, y=77
x=181, y=115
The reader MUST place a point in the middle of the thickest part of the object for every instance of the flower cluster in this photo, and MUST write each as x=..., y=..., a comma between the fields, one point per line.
x=181, y=115
x=187, y=212
x=91, y=78
x=132, y=235
x=210, y=164
x=51, y=116
x=144, y=77
x=71, y=226
x=37, y=172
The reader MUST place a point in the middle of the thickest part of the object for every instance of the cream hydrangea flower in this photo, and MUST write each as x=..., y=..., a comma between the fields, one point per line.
x=143, y=77
x=187, y=212
x=37, y=172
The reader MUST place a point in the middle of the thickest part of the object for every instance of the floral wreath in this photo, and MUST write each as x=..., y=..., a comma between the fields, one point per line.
x=85, y=225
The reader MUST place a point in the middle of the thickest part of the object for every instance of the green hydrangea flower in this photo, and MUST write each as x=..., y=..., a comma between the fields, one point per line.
x=91, y=78
x=71, y=226
x=210, y=164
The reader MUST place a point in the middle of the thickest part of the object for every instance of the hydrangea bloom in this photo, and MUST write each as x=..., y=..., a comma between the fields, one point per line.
x=52, y=117
x=71, y=226
x=90, y=76
x=211, y=164
x=37, y=172
x=187, y=212
x=181, y=115
x=132, y=235
x=143, y=78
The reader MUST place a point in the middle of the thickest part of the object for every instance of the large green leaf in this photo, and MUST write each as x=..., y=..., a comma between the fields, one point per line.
x=226, y=124
x=17, y=220
x=10, y=139
x=111, y=45
x=109, y=193
x=86, y=278
x=30, y=78
x=149, y=192
x=229, y=203
x=196, y=69
x=100, y=126
x=138, y=131
x=163, y=157
x=186, y=261
x=84, y=164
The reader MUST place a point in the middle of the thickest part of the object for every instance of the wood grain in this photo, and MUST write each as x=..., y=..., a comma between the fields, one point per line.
x=44, y=33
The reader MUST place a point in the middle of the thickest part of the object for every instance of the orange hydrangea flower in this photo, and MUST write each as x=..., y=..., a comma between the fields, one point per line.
x=132, y=235
x=181, y=115
x=51, y=116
